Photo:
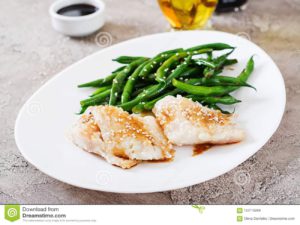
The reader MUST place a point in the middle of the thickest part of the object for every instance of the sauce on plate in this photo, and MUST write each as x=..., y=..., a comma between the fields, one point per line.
x=200, y=148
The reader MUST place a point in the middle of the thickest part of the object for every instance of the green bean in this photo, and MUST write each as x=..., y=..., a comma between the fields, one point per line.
x=127, y=59
x=146, y=106
x=154, y=63
x=244, y=75
x=100, y=90
x=155, y=90
x=138, y=108
x=209, y=56
x=82, y=110
x=118, y=69
x=230, y=62
x=171, y=51
x=213, y=46
x=128, y=88
x=203, y=90
x=178, y=71
x=97, y=99
x=208, y=101
x=226, y=100
x=149, y=78
x=146, y=94
x=99, y=82
x=137, y=92
x=224, y=80
x=119, y=80
x=103, y=81
x=221, y=81
x=166, y=68
x=152, y=89
x=160, y=88
x=140, y=89
x=205, y=62
x=149, y=105
x=142, y=84
x=219, y=64
x=214, y=106
x=162, y=71
x=192, y=71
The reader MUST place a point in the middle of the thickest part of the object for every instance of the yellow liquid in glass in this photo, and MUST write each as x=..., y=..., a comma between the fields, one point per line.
x=187, y=14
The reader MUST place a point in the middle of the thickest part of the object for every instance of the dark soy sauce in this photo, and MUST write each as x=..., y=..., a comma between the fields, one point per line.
x=77, y=10
x=230, y=5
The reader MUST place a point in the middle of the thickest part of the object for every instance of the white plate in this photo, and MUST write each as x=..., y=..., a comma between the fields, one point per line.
x=42, y=122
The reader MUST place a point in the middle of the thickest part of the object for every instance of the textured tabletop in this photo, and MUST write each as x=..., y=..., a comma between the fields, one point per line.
x=31, y=52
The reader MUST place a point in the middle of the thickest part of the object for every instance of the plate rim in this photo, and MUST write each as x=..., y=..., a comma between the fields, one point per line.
x=154, y=188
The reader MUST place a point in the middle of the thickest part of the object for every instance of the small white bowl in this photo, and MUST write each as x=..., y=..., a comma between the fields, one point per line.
x=78, y=26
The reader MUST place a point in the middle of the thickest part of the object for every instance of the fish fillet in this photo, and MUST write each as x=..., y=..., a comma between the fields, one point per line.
x=86, y=134
x=131, y=136
x=187, y=123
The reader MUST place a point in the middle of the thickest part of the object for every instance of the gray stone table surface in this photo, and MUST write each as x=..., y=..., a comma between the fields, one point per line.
x=31, y=52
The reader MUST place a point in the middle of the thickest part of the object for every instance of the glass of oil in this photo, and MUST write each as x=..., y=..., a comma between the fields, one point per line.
x=188, y=14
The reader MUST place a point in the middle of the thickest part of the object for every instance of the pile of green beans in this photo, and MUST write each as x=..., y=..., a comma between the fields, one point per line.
x=193, y=73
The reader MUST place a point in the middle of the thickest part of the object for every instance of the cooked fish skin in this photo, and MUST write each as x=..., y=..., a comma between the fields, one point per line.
x=86, y=134
x=188, y=123
x=131, y=136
